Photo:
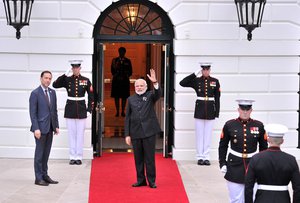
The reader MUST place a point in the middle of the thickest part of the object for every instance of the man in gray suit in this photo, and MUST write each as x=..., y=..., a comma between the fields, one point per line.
x=141, y=127
x=44, y=121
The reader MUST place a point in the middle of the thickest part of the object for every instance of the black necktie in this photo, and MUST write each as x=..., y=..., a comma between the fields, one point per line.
x=47, y=97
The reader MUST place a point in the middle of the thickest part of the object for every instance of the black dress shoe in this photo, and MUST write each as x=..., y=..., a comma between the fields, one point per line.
x=47, y=179
x=72, y=162
x=206, y=162
x=123, y=114
x=41, y=183
x=153, y=185
x=117, y=115
x=139, y=184
x=78, y=162
x=200, y=162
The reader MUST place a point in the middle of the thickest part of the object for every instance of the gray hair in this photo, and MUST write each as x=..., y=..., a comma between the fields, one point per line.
x=140, y=80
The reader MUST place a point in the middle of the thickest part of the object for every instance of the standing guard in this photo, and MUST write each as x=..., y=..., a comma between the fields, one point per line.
x=207, y=108
x=76, y=109
x=243, y=134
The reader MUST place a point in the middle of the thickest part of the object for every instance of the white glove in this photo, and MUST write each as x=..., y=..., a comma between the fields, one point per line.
x=68, y=72
x=88, y=114
x=223, y=169
x=197, y=72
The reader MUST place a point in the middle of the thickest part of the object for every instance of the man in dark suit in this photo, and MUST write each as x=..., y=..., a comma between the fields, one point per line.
x=273, y=170
x=44, y=121
x=141, y=127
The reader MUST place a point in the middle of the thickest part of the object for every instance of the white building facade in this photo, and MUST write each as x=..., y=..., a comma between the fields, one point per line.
x=265, y=69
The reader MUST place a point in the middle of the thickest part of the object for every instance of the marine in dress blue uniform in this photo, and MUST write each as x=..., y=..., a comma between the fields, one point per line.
x=273, y=170
x=76, y=108
x=207, y=108
x=243, y=134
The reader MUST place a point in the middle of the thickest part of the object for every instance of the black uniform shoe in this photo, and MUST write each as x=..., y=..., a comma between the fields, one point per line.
x=72, y=162
x=47, y=179
x=153, y=185
x=123, y=114
x=78, y=162
x=41, y=183
x=200, y=162
x=139, y=184
x=117, y=115
x=206, y=162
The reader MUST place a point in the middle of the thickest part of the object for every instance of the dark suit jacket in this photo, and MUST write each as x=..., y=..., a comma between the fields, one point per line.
x=141, y=120
x=41, y=114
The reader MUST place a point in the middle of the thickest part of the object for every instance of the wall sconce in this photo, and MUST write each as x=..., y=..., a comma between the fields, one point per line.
x=18, y=13
x=250, y=13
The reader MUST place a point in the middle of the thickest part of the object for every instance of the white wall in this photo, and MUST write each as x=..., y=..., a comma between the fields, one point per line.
x=56, y=34
x=264, y=69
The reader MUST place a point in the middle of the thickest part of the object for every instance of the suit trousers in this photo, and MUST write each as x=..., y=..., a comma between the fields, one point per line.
x=41, y=155
x=203, y=138
x=144, y=156
x=76, y=129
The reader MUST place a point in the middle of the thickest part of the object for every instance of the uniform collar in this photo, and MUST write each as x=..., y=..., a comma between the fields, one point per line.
x=273, y=148
x=74, y=76
x=244, y=121
x=205, y=78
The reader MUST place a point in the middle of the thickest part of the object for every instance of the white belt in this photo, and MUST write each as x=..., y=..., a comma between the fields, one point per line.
x=272, y=187
x=242, y=155
x=206, y=98
x=76, y=98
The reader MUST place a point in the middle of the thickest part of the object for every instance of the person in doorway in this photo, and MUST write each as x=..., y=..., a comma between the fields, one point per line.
x=273, y=170
x=76, y=109
x=44, y=121
x=121, y=70
x=207, y=108
x=141, y=128
x=243, y=134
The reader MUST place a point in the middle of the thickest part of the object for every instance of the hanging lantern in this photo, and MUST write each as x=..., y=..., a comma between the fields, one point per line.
x=250, y=13
x=18, y=13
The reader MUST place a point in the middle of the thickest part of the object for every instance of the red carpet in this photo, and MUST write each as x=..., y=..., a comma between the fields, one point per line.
x=113, y=174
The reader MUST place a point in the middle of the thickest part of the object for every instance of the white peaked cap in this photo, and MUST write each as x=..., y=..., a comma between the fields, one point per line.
x=75, y=62
x=276, y=130
x=205, y=64
x=245, y=101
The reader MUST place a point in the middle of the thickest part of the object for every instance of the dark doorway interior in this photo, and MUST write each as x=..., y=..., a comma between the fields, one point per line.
x=143, y=57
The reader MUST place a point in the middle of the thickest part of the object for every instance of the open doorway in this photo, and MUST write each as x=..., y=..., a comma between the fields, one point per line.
x=143, y=56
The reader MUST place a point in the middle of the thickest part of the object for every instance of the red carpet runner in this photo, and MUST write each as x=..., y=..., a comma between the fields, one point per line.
x=113, y=174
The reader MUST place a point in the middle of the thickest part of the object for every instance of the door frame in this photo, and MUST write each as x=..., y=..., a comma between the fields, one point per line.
x=165, y=37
